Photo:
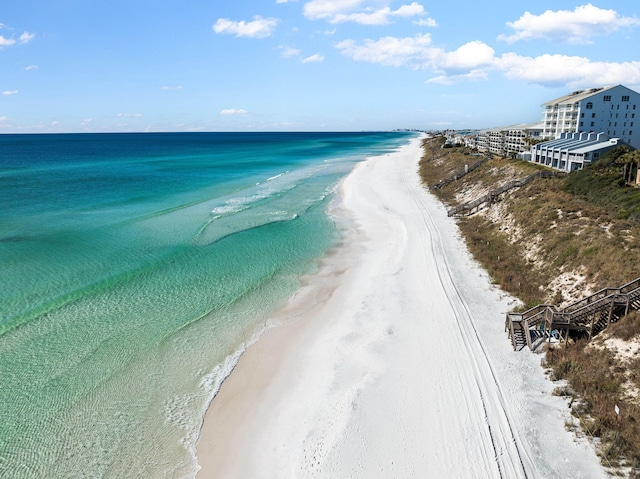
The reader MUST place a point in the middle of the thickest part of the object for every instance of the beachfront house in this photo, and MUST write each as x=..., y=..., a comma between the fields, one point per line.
x=611, y=110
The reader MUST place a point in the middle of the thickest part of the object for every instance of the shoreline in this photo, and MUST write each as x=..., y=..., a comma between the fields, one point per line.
x=400, y=364
x=228, y=418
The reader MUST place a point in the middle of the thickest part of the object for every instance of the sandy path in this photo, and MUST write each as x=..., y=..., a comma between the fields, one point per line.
x=403, y=371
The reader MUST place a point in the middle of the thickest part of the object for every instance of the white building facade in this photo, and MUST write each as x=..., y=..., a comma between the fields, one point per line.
x=612, y=110
x=508, y=139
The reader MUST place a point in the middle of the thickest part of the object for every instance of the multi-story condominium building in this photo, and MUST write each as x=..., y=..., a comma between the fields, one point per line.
x=572, y=151
x=611, y=110
x=509, y=139
x=518, y=138
x=463, y=137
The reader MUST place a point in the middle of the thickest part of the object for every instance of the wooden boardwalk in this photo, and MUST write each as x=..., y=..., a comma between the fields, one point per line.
x=489, y=198
x=459, y=174
x=588, y=316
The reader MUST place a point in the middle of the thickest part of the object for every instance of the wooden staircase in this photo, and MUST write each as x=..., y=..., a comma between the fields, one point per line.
x=589, y=316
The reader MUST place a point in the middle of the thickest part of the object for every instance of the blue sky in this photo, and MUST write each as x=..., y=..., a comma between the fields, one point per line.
x=313, y=65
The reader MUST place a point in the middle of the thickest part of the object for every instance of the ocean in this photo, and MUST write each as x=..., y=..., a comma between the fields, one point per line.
x=134, y=270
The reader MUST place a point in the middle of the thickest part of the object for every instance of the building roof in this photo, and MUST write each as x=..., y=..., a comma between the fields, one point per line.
x=579, y=95
x=527, y=126
x=521, y=126
x=580, y=142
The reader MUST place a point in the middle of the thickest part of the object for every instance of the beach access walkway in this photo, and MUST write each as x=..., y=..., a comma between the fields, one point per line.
x=587, y=316
x=492, y=196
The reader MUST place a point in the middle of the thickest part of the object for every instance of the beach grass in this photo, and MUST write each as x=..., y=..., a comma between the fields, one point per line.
x=599, y=383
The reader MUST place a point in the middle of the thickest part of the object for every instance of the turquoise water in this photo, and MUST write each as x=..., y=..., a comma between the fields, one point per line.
x=133, y=270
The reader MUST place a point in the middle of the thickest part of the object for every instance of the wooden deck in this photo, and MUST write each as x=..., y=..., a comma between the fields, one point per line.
x=589, y=315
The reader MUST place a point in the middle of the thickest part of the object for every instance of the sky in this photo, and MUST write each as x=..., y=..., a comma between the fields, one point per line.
x=304, y=65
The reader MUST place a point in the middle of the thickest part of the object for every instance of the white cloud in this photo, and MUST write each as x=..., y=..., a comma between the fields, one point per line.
x=3, y=119
x=129, y=115
x=257, y=28
x=234, y=112
x=325, y=9
x=409, y=10
x=575, y=27
x=341, y=11
x=426, y=22
x=26, y=37
x=418, y=53
x=10, y=92
x=286, y=1
x=469, y=56
x=315, y=58
x=389, y=51
x=31, y=67
x=5, y=42
x=563, y=70
x=171, y=88
x=473, y=75
x=289, y=52
x=475, y=60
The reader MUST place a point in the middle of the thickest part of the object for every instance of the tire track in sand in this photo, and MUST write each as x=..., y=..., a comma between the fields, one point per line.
x=511, y=455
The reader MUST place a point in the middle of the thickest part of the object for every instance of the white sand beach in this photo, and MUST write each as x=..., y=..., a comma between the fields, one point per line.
x=399, y=366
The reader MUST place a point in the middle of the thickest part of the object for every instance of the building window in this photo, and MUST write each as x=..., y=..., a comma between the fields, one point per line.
x=581, y=115
x=591, y=123
x=608, y=98
x=581, y=123
x=624, y=98
x=593, y=115
x=589, y=106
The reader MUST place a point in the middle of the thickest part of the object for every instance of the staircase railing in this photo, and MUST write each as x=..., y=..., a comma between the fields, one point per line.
x=591, y=314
